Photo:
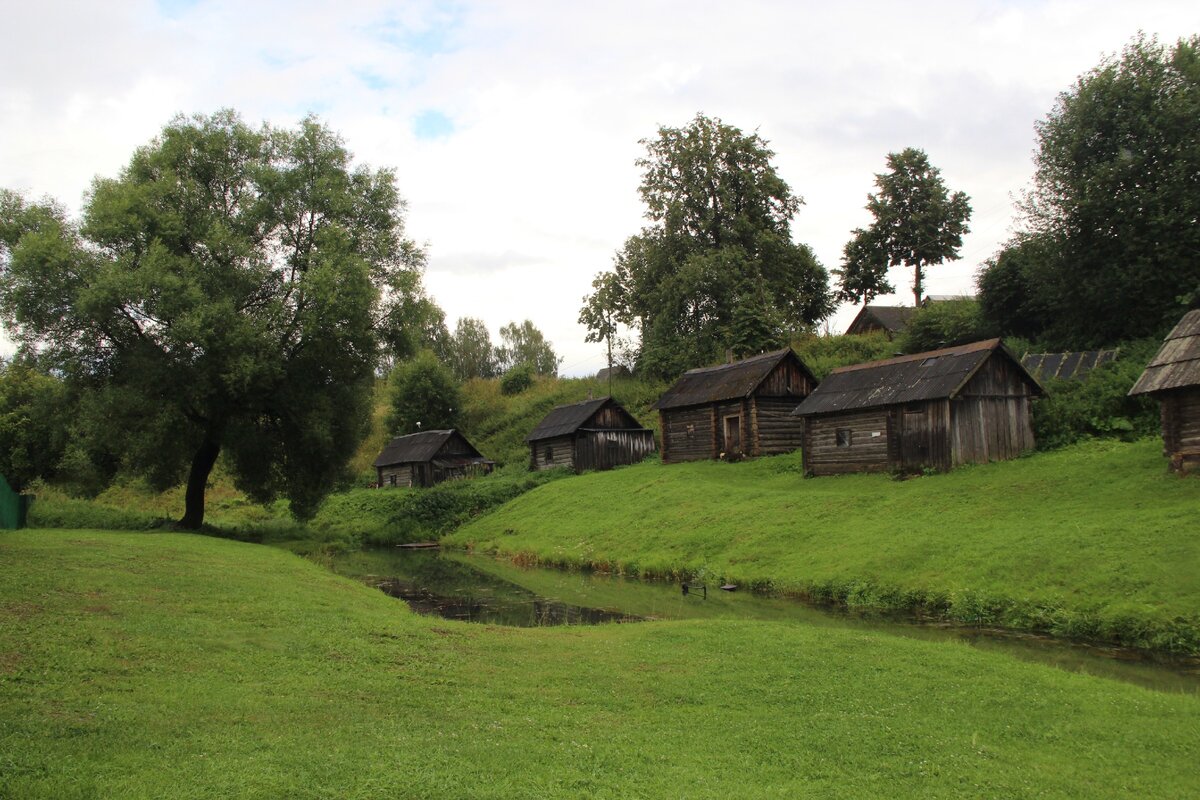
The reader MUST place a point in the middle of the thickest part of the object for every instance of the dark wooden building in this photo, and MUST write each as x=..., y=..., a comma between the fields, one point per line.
x=429, y=457
x=735, y=409
x=1173, y=378
x=889, y=319
x=935, y=410
x=594, y=434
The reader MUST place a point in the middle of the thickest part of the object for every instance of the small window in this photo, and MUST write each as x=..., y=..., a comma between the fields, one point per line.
x=690, y=430
x=392, y=479
x=843, y=437
x=548, y=456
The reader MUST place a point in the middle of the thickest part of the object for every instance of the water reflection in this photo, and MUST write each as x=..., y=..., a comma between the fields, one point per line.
x=483, y=589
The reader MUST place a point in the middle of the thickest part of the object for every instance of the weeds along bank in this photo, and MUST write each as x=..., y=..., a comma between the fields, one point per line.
x=1096, y=540
x=218, y=669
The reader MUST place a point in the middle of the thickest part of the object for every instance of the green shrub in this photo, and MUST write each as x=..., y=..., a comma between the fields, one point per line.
x=945, y=324
x=823, y=354
x=517, y=380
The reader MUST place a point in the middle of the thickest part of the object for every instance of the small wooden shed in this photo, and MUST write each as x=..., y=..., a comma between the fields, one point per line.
x=889, y=319
x=429, y=457
x=934, y=410
x=743, y=408
x=1173, y=378
x=593, y=434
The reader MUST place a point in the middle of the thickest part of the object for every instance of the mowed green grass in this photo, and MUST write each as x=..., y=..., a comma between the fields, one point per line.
x=166, y=665
x=1097, y=540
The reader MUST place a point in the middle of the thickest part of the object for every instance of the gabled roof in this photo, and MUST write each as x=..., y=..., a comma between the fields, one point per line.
x=727, y=381
x=906, y=379
x=565, y=420
x=421, y=446
x=1065, y=366
x=892, y=319
x=1177, y=363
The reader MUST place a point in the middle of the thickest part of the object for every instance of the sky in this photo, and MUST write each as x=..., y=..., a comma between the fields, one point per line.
x=513, y=127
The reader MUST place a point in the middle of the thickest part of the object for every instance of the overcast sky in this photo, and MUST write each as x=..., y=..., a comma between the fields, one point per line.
x=513, y=126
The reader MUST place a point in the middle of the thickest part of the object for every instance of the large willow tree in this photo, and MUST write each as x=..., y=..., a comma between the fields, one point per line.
x=716, y=267
x=228, y=292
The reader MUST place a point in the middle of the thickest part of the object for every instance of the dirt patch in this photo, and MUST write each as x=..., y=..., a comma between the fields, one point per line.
x=22, y=610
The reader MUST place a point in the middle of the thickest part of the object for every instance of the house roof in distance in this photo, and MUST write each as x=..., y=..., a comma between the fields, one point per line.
x=1176, y=365
x=892, y=319
x=565, y=420
x=905, y=379
x=726, y=381
x=421, y=446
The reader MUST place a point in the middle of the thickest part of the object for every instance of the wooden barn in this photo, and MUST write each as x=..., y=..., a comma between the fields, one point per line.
x=889, y=319
x=429, y=457
x=1173, y=378
x=935, y=410
x=594, y=434
x=743, y=408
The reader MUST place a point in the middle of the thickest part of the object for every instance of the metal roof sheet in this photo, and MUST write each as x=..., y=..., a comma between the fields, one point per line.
x=1066, y=366
x=726, y=381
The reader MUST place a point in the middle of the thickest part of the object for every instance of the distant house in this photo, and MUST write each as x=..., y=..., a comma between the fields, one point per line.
x=609, y=373
x=593, y=434
x=888, y=319
x=742, y=408
x=1066, y=366
x=1173, y=378
x=429, y=457
x=933, y=410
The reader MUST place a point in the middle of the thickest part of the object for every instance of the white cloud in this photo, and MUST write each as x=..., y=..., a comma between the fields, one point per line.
x=535, y=187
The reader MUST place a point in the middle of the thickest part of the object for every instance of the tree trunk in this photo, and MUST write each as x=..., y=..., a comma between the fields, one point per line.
x=917, y=287
x=202, y=464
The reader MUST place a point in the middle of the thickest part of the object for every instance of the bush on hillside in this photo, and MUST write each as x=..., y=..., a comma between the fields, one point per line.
x=424, y=396
x=516, y=380
x=823, y=354
x=945, y=324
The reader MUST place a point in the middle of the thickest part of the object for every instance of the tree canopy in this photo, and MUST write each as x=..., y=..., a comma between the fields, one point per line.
x=1114, y=205
x=716, y=267
x=471, y=354
x=423, y=395
x=918, y=223
x=524, y=344
x=225, y=293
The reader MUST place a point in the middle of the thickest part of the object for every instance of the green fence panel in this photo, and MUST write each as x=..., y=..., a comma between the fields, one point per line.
x=12, y=507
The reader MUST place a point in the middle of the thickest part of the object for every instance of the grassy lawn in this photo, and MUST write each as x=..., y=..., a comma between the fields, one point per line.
x=166, y=665
x=1097, y=540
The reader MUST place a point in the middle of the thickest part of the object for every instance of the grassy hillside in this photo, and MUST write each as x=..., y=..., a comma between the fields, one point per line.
x=166, y=665
x=1097, y=540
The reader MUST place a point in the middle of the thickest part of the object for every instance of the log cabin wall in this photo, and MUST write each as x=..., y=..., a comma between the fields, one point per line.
x=687, y=434
x=403, y=474
x=778, y=431
x=611, y=448
x=852, y=442
x=551, y=453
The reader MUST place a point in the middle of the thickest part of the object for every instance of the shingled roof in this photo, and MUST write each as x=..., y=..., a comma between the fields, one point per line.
x=1177, y=363
x=421, y=446
x=725, y=382
x=905, y=379
x=565, y=420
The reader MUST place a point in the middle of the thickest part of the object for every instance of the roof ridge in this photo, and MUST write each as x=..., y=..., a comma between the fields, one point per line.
x=759, y=357
x=986, y=344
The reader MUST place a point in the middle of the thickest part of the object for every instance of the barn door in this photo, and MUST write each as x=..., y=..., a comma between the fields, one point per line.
x=914, y=439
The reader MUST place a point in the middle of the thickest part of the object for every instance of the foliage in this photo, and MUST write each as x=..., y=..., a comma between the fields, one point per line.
x=823, y=354
x=1012, y=296
x=525, y=344
x=516, y=380
x=413, y=322
x=603, y=312
x=223, y=294
x=918, y=223
x=716, y=267
x=1110, y=555
x=423, y=396
x=945, y=324
x=1114, y=200
x=1100, y=405
x=161, y=665
x=34, y=414
x=471, y=354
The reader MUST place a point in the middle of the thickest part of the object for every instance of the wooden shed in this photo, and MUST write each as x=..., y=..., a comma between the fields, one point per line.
x=429, y=457
x=743, y=408
x=594, y=434
x=934, y=410
x=1173, y=378
x=889, y=319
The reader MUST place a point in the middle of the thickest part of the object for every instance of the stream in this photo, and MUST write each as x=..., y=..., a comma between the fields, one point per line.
x=483, y=589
